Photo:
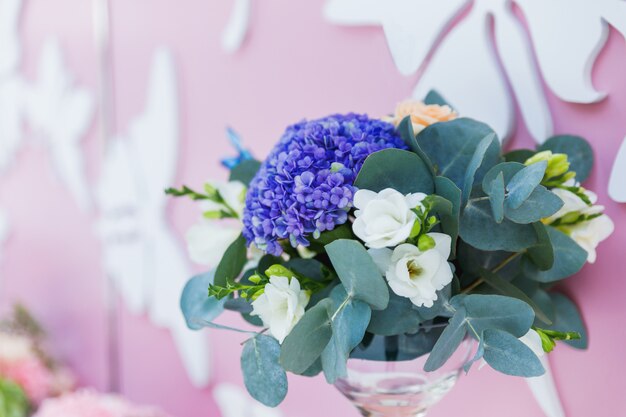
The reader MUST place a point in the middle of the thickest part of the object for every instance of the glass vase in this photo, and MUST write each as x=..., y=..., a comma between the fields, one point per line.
x=400, y=388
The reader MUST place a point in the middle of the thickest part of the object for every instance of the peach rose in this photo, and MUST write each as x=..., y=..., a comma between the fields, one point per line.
x=422, y=115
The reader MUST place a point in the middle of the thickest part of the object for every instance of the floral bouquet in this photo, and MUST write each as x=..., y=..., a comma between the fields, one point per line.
x=91, y=404
x=389, y=239
x=27, y=374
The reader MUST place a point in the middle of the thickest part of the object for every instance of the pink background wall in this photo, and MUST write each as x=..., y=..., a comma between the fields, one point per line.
x=293, y=65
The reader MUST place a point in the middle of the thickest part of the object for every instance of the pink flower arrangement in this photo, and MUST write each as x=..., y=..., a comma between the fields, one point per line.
x=91, y=404
x=23, y=362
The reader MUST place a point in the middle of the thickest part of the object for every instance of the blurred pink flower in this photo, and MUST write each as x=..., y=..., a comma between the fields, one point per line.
x=31, y=375
x=91, y=404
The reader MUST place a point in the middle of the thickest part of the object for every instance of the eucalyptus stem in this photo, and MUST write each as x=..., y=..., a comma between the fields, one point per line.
x=498, y=268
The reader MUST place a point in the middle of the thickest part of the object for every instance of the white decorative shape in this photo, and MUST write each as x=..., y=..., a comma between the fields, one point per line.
x=238, y=24
x=465, y=70
x=410, y=34
x=11, y=85
x=518, y=60
x=141, y=254
x=568, y=35
x=545, y=391
x=233, y=401
x=9, y=35
x=61, y=113
x=617, y=183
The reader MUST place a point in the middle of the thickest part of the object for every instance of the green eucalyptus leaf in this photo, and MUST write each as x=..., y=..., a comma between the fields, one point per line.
x=518, y=155
x=509, y=289
x=196, y=305
x=405, y=130
x=399, y=317
x=440, y=307
x=542, y=254
x=497, y=312
x=340, y=232
x=480, y=351
x=433, y=97
x=245, y=171
x=459, y=137
x=507, y=354
x=308, y=339
x=349, y=319
x=524, y=183
x=479, y=229
x=476, y=162
x=309, y=268
x=508, y=170
x=496, y=192
x=569, y=258
x=401, y=170
x=358, y=273
x=540, y=204
x=263, y=376
x=314, y=369
x=579, y=153
x=568, y=319
x=445, y=188
x=232, y=262
x=448, y=342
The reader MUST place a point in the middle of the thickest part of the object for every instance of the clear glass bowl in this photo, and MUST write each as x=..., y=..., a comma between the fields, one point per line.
x=400, y=388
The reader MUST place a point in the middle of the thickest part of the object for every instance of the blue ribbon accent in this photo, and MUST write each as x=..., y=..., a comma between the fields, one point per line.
x=244, y=154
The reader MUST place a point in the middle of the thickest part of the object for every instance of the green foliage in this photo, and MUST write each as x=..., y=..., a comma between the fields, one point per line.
x=405, y=129
x=550, y=337
x=518, y=155
x=445, y=188
x=308, y=339
x=569, y=258
x=402, y=347
x=245, y=171
x=448, y=342
x=476, y=161
x=399, y=317
x=13, y=401
x=433, y=97
x=232, y=262
x=568, y=319
x=263, y=376
x=401, y=170
x=542, y=254
x=523, y=183
x=349, y=319
x=358, y=273
x=195, y=305
x=578, y=151
x=451, y=146
x=507, y=354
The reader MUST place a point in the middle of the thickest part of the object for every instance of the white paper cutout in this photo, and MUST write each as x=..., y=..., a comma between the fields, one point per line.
x=60, y=113
x=545, y=392
x=617, y=183
x=233, y=401
x=141, y=254
x=236, y=29
x=567, y=35
x=10, y=82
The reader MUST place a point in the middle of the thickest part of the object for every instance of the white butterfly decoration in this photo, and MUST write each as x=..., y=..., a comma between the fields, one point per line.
x=60, y=113
x=567, y=35
x=4, y=234
x=141, y=254
x=11, y=83
x=233, y=401
x=237, y=27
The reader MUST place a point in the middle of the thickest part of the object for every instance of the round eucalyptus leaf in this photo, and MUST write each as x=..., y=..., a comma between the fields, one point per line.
x=197, y=307
x=505, y=353
x=569, y=258
x=264, y=378
x=568, y=319
x=401, y=170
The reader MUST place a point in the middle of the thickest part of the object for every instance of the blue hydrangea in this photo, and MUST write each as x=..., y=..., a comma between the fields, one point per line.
x=305, y=186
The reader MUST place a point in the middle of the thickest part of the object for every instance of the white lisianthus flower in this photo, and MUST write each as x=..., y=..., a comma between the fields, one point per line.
x=589, y=233
x=208, y=239
x=416, y=274
x=281, y=306
x=384, y=219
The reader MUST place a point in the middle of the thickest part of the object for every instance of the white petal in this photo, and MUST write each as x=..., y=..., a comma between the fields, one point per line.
x=363, y=197
x=207, y=242
x=443, y=244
